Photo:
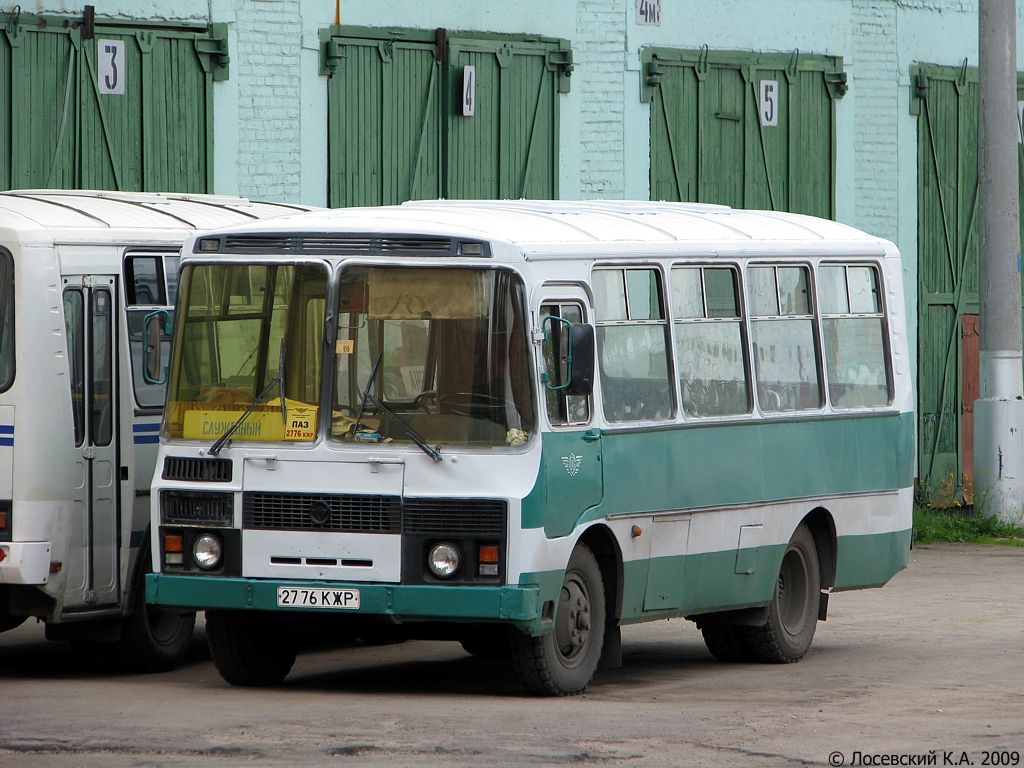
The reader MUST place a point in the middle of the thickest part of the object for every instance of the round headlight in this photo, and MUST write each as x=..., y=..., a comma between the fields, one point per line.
x=443, y=560
x=207, y=551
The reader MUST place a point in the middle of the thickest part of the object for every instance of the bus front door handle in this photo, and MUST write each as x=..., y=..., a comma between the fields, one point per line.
x=592, y=435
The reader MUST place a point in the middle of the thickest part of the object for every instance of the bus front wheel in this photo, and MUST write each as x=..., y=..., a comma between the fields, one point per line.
x=563, y=662
x=152, y=639
x=249, y=648
x=793, y=611
x=726, y=642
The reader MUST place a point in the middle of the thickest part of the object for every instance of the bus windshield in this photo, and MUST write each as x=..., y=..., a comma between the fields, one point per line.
x=6, y=320
x=438, y=354
x=247, y=327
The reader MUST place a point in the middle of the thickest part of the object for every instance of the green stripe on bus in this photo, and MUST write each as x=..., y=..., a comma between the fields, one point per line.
x=871, y=560
x=719, y=465
x=703, y=583
x=707, y=582
x=516, y=604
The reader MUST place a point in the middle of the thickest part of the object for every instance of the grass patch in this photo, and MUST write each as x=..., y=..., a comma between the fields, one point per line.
x=934, y=525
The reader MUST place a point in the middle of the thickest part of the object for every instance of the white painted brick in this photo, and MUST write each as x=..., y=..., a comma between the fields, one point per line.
x=599, y=53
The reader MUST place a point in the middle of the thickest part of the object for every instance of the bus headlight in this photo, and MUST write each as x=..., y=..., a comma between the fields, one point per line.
x=207, y=551
x=443, y=560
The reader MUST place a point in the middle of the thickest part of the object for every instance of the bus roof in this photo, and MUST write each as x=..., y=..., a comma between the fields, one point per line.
x=540, y=227
x=92, y=212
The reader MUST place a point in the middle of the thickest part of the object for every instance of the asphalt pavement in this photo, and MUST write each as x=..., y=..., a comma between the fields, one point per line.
x=929, y=667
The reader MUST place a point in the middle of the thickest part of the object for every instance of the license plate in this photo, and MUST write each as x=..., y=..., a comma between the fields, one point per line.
x=302, y=597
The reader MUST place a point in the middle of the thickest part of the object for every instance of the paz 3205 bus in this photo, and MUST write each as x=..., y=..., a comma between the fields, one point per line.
x=79, y=418
x=522, y=425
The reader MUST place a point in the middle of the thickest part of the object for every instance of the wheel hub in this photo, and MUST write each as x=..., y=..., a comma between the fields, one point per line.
x=573, y=622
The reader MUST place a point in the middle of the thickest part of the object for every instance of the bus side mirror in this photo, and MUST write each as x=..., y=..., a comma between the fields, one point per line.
x=573, y=345
x=581, y=340
x=154, y=326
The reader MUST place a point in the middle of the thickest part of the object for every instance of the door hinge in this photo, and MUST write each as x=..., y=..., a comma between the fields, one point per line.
x=332, y=51
x=836, y=84
x=560, y=60
x=653, y=74
x=213, y=51
x=14, y=28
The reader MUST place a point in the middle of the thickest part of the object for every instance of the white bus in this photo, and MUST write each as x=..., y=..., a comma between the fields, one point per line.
x=523, y=425
x=79, y=422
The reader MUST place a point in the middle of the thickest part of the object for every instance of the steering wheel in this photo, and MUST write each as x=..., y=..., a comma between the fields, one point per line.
x=421, y=400
x=474, y=404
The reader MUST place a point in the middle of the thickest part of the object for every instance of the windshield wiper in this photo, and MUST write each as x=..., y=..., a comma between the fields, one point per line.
x=433, y=452
x=218, y=446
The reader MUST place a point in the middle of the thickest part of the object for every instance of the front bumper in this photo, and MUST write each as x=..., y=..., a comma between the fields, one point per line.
x=520, y=605
x=25, y=562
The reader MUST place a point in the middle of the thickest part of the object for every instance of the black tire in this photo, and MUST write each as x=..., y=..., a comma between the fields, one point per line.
x=152, y=639
x=250, y=648
x=793, y=611
x=10, y=622
x=726, y=642
x=563, y=662
x=487, y=644
x=7, y=621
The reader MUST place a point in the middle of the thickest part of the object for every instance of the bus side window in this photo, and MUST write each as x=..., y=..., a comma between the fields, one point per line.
x=562, y=409
x=6, y=320
x=74, y=326
x=144, y=280
x=632, y=344
x=147, y=281
x=785, y=351
x=853, y=325
x=710, y=349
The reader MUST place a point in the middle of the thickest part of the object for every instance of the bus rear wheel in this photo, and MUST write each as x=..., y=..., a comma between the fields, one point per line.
x=563, y=662
x=249, y=648
x=793, y=611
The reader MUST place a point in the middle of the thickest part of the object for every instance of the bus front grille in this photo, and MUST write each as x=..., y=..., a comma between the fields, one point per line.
x=350, y=513
x=188, y=508
x=451, y=517
x=193, y=469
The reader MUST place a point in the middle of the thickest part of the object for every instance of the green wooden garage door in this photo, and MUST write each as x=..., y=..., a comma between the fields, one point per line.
x=710, y=142
x=396, y=129
x=946, y=103
x=65, y=132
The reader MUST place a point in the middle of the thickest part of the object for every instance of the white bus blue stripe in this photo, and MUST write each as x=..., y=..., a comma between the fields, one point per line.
x=146, y=433
x=6, y=434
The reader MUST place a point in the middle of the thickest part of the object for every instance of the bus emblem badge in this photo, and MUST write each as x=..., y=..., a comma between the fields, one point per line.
x=572, y=464
x=319, y=513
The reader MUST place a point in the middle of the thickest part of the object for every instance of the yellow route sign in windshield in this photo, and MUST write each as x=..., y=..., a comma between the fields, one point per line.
x=299, y=424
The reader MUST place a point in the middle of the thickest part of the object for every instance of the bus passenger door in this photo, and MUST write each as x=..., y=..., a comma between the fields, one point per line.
x=572, y=468
x=92, y=561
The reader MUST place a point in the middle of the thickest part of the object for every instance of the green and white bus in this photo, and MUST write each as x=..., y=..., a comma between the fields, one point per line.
x=522, y=425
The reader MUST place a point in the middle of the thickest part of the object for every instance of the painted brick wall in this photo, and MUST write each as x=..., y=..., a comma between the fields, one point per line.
x=266, y=65
x=875, y=82
x=600, y=59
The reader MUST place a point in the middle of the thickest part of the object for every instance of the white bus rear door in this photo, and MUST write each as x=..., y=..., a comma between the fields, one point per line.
x=90, y=309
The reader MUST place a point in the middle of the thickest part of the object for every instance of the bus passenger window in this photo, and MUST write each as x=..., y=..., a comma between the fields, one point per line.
x=785, y=352
x=632, y=345
x=562, y=409
x=853, y=325
x=710, y=350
